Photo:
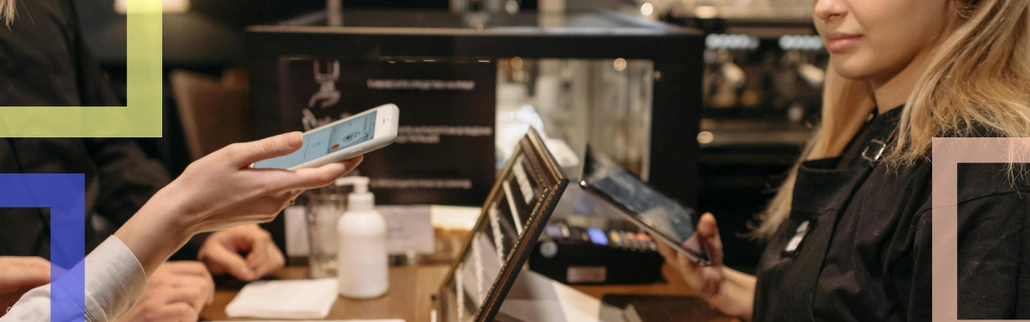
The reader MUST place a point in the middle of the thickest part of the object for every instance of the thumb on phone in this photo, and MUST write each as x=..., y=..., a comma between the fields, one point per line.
x=708, y=236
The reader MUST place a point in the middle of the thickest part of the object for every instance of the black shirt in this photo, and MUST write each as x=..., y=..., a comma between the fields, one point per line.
x=868, y=257
x=43, y=61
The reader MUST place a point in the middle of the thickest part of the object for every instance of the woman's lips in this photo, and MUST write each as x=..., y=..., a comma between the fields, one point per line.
x=840, y=42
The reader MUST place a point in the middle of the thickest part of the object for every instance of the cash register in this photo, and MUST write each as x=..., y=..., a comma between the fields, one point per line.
x=580, y=255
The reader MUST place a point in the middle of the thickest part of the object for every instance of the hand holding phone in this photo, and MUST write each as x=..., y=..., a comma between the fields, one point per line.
x=661, y=217
x=341, y=140
x=705, y=279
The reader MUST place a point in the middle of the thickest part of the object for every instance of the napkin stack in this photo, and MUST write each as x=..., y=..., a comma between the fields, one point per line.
x=289, y=299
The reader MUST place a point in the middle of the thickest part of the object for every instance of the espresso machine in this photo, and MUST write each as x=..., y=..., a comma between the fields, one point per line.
x=764, y=67
x=764, y=72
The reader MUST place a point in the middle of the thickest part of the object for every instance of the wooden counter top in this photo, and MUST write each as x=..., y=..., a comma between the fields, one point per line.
x=411, y=288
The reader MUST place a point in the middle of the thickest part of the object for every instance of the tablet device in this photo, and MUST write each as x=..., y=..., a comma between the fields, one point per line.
x=665, y=219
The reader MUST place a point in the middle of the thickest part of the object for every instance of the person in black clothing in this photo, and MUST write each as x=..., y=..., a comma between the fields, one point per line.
x=44, y=61
x=848, y=236
x=216, y=192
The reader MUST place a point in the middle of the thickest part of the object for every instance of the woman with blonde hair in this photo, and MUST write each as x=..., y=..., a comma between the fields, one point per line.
x=849, y=233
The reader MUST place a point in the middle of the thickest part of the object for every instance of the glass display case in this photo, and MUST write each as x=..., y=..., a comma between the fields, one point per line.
x=753, y=10
x=469, y=84
x=765, y=66
x=630, y=87
x=604, y=102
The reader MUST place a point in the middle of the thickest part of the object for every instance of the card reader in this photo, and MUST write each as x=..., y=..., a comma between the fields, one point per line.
x=579, y=255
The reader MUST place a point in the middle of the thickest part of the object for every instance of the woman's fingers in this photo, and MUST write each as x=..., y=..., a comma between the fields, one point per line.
x=242, y=155
x=188, y=268
x=688, y=269
x=260, y=210
x=194, y=295
x=666, y=251
x=265, y=258
x=206, y=285
x=180, y=311
x=240, y=194
x=708, y=233
x=303, y=179
x=354, y=162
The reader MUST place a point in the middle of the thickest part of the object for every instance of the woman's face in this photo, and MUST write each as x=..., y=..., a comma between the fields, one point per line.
x=876, y=39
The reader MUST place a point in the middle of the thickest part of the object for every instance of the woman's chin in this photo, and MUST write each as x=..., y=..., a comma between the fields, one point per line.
x=850, y=67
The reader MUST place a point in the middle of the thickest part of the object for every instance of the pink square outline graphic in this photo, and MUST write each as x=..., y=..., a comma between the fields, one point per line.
x=947, y=154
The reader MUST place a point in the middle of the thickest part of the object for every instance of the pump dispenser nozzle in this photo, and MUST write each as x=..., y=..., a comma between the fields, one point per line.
x=359, y=199
x=360, y=183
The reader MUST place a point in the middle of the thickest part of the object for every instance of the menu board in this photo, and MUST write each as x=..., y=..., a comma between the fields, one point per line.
x=444, y=151
x=515, y=213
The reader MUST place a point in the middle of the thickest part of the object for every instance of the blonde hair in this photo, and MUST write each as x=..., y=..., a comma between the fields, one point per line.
x=7, y=12
x=980, y=74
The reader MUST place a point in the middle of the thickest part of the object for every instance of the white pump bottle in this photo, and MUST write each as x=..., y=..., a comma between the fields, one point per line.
x=361, y=259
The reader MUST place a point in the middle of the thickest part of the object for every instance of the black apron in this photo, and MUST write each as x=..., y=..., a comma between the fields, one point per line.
x=789, y=269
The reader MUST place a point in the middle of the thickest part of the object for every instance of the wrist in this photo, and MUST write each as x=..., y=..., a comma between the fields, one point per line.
x=182, y=215
x=156, y=231
x=735, y=296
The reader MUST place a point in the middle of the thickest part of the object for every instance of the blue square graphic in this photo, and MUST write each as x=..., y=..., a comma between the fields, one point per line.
x=65, y=196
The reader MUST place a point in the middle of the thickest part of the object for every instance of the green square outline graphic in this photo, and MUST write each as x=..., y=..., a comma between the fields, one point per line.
x=141, y=117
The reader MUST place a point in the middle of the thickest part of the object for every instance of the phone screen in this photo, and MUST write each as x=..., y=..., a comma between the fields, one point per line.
x=327, y=140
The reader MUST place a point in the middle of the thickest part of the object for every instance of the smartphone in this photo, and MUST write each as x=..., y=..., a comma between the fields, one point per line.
x=660, y=216
x=341, y=140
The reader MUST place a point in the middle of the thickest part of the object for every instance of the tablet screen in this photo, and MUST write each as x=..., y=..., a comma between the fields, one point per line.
x=643, y=203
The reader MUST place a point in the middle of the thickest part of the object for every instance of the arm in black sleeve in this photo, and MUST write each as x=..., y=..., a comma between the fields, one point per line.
x=128, y=177
x=994, y=257
x=993, y=260
x=920, y=290
x=93, y=87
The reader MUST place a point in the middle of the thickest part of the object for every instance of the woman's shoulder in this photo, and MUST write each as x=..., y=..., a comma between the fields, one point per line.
x=983, y=179
x=974, y=180
x=1001, y=182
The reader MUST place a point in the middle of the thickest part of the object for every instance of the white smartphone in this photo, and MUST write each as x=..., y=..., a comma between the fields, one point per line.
x=341, y=140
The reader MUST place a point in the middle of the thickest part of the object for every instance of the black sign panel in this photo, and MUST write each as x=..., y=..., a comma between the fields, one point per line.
x=515, y=213
x=444, y=152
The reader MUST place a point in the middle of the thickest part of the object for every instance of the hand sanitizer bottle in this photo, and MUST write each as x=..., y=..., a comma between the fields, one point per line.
x=361, y=258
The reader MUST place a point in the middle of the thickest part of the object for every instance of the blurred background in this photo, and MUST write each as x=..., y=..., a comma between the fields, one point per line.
x=744, y=88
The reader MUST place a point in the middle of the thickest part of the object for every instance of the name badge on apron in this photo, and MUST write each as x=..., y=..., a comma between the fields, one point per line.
x=794, y=245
